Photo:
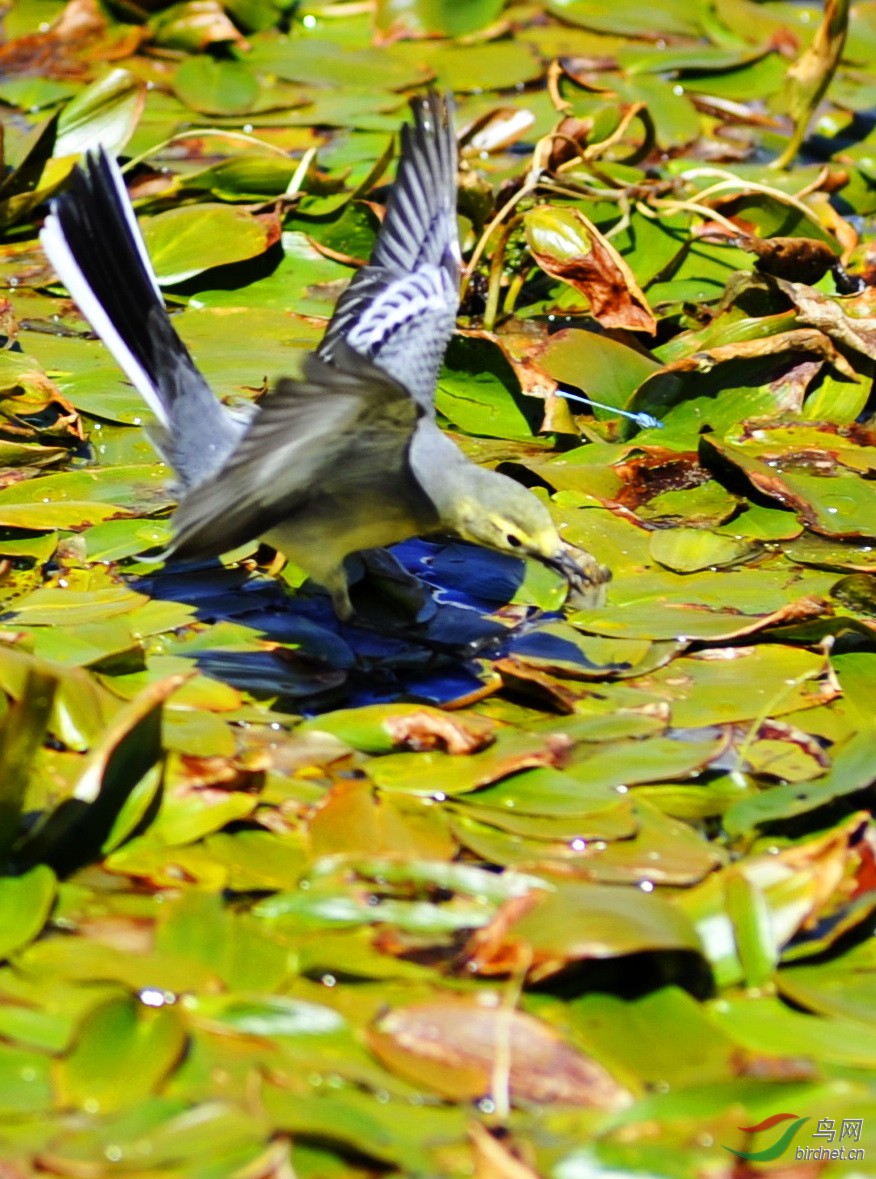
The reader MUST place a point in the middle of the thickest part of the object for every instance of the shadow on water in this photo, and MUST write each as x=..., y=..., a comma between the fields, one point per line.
x=419, y=644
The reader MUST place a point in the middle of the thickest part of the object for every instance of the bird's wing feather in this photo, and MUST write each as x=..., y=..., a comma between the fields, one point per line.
x=406, y=330
x=342, y=425
x=415, y=258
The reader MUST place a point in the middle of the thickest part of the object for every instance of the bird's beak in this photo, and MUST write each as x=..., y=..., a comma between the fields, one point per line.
x=583, y=572
x=567, y=567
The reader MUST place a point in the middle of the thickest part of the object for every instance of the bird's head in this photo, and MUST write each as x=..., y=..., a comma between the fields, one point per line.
x=501, y=514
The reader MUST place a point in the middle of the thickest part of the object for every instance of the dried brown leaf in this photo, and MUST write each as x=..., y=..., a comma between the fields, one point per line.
x=435, y=730
x=568, y=246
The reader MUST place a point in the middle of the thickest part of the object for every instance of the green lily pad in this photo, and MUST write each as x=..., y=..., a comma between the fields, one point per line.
x=599, y=366
x=851, y=766
x=440, y=773
x=47, y=607
x=550, y=793
x=122, y=1031
x=478, y=392
x=842, y=989
x=216, y=87
x=434, y=17
x=26, y=903
x=640, y=1038
x=585, y=921
x=23, y=732
x=126, y=752
x=252, y=176
x=709, y=503
x=303, y=282
x=502, y=64
x=25, y=1082
x=706, y=605
x=192, y=25
x=776, y=680
x=688, y=550
x=648, y=21
x=767, y=1025
x=814, y=469
x=651, y=759
x=324, y=62
x=188, y=240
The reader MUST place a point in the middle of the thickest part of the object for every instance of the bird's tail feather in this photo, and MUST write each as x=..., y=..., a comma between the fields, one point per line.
x=93, y=242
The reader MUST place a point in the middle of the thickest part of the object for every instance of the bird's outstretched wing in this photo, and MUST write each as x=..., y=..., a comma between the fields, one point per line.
x=343, y=426
x=400, y=309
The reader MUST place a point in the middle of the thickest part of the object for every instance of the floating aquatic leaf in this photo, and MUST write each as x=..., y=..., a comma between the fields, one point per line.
x=850, y=772
x=216, y=87
x=379, y=728
x=597, y=365
x=36, y=177
x=837, y=988
x=489, y=403
x=104, y=113
x=49, y=606
x=25, y=903
x=640, y=1038
x=703, y=610
x=771, y=1027
x=443, y=773
x=353, y=821
x=147, y=1042
x=649, y=21
x=687, y=550
x=424, y=18
x=629, y=814
x=322, y=61
x=814, y=470
x=583, y=922
x=25, y=1082
x=451, y=1046
x=748, y=913
x=185, y=241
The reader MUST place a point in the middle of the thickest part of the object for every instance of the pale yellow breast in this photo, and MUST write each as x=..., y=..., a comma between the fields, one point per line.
x=320, y=539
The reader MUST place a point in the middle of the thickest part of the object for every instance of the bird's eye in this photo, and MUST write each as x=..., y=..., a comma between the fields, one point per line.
x=513, y=542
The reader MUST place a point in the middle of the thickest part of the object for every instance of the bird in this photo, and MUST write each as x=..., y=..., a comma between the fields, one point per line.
x=348, y=457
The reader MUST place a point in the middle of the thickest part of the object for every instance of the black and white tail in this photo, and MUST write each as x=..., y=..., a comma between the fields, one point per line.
x=93, y=242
